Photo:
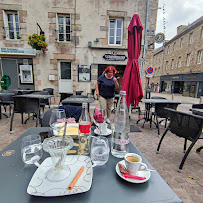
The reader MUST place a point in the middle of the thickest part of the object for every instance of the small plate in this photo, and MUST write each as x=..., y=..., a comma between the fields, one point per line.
x=146, y=174
x=108, y=132
x=41, y=186
x=71, y=129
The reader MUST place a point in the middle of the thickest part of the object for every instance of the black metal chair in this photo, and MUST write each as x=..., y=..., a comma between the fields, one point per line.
x=160, y=112
x=91, y=95
x=7, y=100
x=79, y=92
x=185, y=125
x=50, y=91
x=64, y=96
x=43, y=102
x=45, y=117
x=197, y=106
x=25, y=105
x=200, y=114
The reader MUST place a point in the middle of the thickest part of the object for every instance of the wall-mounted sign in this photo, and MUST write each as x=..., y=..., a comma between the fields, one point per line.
x=114, y=57
x=26, y=75
x=17, y=51
x=150, y=32
x=84, y=73
x=159, y=38
x=150, y=70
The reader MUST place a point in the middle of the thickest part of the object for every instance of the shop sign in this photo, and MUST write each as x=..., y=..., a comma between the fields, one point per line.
x=84, y=73
x=175, y=77
x=114, y=57
x=17, y=51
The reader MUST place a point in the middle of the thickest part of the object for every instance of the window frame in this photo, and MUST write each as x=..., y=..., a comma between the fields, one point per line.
x=199, y=57
x=64, y=27
x=115, y=32
x=172, y=64
x=168, y=51
x=188, y=59
x=6, y=25
x=191, y=38
x=179, y=62
x=166, y=68
x=181, y=43
x=174, y=46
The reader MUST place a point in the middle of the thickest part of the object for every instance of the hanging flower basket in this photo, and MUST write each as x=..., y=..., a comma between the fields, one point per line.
x=37, y=41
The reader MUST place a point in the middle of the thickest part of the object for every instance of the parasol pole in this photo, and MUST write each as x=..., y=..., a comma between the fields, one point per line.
x=145, y=40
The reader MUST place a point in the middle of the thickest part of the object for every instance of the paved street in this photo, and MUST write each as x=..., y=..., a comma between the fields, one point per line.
x=188, y=184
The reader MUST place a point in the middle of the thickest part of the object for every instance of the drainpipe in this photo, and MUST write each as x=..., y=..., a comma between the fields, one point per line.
x=145, y=42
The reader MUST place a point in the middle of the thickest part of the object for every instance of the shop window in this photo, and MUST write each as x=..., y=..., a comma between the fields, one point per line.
x=115, y=31
x=199, y=57
x=172, y=64
x=181, y=43
x=63, y=28
x=179, y=62
x=11, y=25
x=174, y=46
x=188, y=60
x=191, y=38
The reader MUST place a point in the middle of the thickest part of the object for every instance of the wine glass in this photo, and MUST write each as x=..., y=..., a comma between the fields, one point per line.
x=58, y=147
x=31, y=149
x=100, y=120
x=99, y=151
x=57, y=120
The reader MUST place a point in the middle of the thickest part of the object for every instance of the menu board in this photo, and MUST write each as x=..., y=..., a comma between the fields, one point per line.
x=84, y=73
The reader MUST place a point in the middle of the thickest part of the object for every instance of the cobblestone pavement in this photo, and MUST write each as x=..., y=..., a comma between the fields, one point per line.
x=188, y=184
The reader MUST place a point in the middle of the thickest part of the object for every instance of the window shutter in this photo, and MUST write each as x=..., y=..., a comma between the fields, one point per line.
x=5, y=18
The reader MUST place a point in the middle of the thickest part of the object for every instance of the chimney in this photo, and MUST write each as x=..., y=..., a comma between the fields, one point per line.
x=180, y=28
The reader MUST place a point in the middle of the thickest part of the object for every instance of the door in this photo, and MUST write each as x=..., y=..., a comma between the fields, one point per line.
x=10, y=68
x=65, y=77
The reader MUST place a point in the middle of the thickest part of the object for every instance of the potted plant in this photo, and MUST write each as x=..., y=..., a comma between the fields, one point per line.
x=37, y=42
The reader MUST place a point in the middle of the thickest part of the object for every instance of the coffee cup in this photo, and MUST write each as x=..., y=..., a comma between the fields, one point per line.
x=134, y=163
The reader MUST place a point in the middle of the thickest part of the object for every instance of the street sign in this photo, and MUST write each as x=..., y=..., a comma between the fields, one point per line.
x=159, y=38
x=150, y=32
x=150, y=70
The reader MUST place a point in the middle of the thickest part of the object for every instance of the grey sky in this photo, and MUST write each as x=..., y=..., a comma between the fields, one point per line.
x=177, y=12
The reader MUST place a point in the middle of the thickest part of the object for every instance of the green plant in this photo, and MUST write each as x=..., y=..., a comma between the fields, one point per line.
x=37, y=41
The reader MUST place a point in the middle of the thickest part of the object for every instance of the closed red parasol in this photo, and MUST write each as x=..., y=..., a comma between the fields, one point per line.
x=131, y=82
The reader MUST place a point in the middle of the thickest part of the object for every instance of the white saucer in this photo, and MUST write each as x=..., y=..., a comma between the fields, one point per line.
x=146, y=174
x=108, y=132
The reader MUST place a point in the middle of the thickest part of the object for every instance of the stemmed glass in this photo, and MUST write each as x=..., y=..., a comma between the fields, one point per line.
x=57, y=120
x=31, y=149
x=58, y=147
x=100, y=120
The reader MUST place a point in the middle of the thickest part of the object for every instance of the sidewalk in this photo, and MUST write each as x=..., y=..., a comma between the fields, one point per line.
x=188, y=184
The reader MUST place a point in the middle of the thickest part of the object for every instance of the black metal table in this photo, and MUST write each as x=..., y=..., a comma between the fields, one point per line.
x=148, y=106
x=72, y=100
x=107, y=186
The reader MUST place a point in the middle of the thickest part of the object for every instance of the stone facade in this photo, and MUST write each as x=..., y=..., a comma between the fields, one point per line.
x=89, y=35
x=167, y=61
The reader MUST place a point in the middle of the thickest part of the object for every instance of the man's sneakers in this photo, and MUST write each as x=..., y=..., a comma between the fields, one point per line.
x=108, y=121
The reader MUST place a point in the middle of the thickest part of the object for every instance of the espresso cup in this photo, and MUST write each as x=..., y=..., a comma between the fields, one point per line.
x=133, y=163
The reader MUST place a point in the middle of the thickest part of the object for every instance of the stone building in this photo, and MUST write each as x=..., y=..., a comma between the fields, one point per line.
x=179, y=67
x=83, y=37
